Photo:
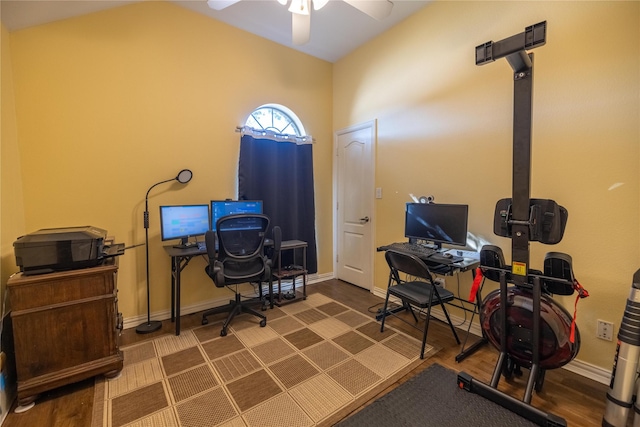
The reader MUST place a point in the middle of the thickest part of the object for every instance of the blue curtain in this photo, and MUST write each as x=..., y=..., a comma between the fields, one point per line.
x=281, y=175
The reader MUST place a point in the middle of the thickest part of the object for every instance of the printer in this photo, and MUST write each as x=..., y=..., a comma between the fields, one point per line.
x=58, y=249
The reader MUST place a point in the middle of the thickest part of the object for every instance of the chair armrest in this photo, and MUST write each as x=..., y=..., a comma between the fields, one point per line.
x=217, y=273
x=268, y=267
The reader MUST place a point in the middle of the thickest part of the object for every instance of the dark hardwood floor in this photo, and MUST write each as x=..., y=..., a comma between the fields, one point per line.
x=578, y=400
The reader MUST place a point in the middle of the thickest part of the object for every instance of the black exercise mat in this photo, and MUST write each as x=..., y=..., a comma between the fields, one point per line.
x=433, y=399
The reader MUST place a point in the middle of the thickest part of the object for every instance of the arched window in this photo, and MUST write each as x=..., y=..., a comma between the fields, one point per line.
x=276, y=166
x=277, y=119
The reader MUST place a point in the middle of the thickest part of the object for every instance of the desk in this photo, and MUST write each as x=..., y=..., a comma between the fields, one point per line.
x=442, y=269
x=459, y=302
x=180, y=258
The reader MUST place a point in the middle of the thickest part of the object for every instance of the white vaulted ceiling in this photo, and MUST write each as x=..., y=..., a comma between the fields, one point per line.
x=336, y=29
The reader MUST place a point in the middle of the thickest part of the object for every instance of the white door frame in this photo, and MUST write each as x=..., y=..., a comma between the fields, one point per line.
x=368, y=188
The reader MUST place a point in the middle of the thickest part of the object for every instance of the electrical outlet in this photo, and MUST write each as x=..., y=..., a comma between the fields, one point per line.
x=440, y=282
x=605, y=330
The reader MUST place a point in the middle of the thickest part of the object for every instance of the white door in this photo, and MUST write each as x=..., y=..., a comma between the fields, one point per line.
x=354, y=189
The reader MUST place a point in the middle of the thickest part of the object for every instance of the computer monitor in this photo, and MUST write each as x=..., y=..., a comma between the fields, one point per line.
x=437, y=223
x=220, y=208
x=183, y=221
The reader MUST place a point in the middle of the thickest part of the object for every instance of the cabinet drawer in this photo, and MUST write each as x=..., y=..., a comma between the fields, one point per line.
x=27, y=292
x=64, y=336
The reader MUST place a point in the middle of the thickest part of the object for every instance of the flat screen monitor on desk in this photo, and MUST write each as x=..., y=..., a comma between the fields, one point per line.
x=220, y=208
x=437, y=223
x=183, y=221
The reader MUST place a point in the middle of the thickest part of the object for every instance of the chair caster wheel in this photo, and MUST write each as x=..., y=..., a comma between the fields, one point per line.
x=223, y=332
x=205, y=321
x=263, y=323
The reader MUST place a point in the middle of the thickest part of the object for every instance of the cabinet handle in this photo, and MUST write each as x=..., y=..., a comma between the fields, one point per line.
x=119, y=322
x=364, y=220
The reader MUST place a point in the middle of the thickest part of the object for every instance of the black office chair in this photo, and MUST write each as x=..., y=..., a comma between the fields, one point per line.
x=239, y=259
x=419, y=291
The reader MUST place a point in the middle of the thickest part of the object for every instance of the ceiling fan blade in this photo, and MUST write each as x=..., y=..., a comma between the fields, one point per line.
x=319, y=4
x=300, y=28
x=377, y=9
x=221, y=4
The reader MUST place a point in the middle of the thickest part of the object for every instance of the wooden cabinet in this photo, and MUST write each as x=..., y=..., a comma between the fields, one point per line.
x=65, y=326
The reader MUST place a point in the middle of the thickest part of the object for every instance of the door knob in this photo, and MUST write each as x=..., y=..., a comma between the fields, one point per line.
x=364, y=220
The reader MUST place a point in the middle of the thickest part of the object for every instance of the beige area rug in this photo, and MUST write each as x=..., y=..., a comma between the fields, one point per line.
x=314, y=363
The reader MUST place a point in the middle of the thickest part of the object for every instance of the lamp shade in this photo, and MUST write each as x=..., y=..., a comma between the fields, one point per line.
x=184, y=176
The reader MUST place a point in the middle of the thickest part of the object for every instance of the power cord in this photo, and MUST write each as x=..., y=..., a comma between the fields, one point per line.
x=380, y=305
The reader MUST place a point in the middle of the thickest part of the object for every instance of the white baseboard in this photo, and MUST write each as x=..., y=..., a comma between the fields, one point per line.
x=576, y=366
x=132, y=322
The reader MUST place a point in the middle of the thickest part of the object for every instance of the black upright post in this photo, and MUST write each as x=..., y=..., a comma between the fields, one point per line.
x=521, y=185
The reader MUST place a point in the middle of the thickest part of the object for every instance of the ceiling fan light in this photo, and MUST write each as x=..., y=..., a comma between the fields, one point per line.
x=282, y=2
x=300, y=28
x=301, y=7
x=319, y=4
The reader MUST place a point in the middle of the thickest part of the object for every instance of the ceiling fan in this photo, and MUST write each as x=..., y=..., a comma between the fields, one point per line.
x=301, y=12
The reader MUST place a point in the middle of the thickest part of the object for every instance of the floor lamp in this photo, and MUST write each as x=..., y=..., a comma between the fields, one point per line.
x=183, y=177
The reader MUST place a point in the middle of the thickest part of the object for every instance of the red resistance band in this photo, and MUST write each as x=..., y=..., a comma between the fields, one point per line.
x=582, y=293
x=476, y=285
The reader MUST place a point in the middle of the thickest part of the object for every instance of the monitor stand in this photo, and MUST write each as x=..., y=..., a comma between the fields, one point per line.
x=185, y=244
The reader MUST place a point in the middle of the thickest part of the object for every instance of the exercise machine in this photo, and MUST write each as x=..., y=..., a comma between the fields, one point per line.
x=522, y=321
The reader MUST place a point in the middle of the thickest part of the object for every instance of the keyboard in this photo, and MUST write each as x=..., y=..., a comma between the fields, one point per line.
x=411, y=248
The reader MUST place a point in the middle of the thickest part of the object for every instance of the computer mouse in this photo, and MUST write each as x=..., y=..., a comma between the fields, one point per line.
x=448, y=255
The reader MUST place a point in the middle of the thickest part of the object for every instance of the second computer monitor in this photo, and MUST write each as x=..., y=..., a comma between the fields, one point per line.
x=220, y=208
x=183, y=221
x=437, y=223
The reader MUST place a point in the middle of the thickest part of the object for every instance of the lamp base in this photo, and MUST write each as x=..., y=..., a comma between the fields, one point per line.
x=148, y=327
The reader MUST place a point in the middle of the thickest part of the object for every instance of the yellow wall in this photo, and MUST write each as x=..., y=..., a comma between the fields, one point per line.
x=110, y=103
x=445, y=129
x=11, y=201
